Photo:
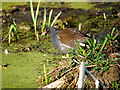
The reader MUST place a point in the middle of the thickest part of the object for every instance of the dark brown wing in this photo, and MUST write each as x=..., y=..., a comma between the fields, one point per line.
x=69, y=37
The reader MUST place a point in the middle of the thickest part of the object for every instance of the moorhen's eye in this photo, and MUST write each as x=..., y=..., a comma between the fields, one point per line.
x=47, y=30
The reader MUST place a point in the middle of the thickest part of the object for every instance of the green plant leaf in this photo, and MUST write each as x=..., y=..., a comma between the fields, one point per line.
x=41, y=74
x=79, y=47
x=48, y=78
x=94, y=41
x=50, y=14
x=55, y=18
x=45, y=72
x=90, y=42
x=103, y=45
x=115, y=36
x=44, y=20
x=36, y=15
x=108, y=36
x=112, y=32
x=32, y=12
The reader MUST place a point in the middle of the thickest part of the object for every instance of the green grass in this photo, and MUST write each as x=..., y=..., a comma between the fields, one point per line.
x=95, y=52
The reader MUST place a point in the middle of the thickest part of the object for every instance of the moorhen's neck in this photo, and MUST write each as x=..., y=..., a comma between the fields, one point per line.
x=52, y=31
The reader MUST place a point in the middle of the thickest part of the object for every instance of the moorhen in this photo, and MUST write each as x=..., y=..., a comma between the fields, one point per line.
x=65, y=39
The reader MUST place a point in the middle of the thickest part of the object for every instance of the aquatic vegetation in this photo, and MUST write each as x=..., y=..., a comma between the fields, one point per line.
x=34, y=17
x=50, y=15
x=13, y=32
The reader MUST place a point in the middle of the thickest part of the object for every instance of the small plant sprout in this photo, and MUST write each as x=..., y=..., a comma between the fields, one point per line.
x=104, y=16
x=47, y=78
x=13, y=32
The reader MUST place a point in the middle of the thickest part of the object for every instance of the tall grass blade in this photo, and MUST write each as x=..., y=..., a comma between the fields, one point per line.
x=94, y=40
x=112, y=32
x=79, y=47
x=11, y=27
x=115, y=36
x=108, y=35
x=48, y=78
x=13, y=35
x=9, y=38
x=55, y=18
x=45, y=73
x=32, y=12
x=50, y=14
x=36, y=15
x=104, y=16
x=44, y=20
x=41, y=74
x=89, y=42
x=105, y=41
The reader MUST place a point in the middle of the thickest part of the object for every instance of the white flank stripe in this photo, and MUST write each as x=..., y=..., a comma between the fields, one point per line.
x=82, y=44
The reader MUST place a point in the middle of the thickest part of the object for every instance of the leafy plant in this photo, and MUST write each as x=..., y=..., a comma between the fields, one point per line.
x=34, y=17
x=115, y=85
x=45, y=76
x=49, y=19
x=13, y=32
x=111, y=37
x=94, y=53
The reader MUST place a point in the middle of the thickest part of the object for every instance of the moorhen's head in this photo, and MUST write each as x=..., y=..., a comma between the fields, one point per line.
x=51, y=31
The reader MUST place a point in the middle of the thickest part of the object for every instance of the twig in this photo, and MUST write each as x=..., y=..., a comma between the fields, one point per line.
x=81, y=75
x=52, y=71
x=90, y=66
x=71, y=83
x=94, y=78
x=57, y=84
x=69, y=71
x=74, y=81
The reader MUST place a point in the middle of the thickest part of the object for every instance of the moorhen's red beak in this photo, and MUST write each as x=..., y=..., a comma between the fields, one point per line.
x=44, y=33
